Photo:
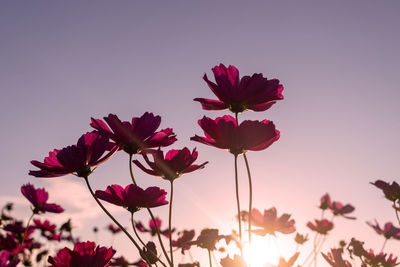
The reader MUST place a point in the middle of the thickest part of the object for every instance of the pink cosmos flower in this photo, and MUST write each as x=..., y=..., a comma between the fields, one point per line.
x=238, y=94
x=334, y=258
x=6, y=259
x=338, y=209
x=77, y=159
x=152, y=228
x=325, y=202
x=38, y=198
x=380, y=259
x=321, y=226
x=183, y=241
x=47, y=229
x=113, y=229
x=174, y=164
x=224, y=133
x=271, y=223
x=137, y=135
x=388, y=231
x=391, y=191
x=133, y=198
x=84, y=254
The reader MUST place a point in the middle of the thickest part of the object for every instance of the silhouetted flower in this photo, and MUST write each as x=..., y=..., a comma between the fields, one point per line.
x=290, y=262
x=192, y=264
x=183, y=241
x=391, y=191
x=325, y=202
x=255, y=93
x=175, y=163
x=152, y=228
x=207, y=239
x=137, y=135
x=113, y=229
x=300, y=239
x=380, y=259
x=149, y=253
x=388, y=231
x=84, y=254
x=38, y=198
x=321, y=226
x=133, y=197
x=334, y=258
x=77, y=159
x=271, y=223
x=224, y=133
x=338, y=209
x=237, y=261
x=120, y=261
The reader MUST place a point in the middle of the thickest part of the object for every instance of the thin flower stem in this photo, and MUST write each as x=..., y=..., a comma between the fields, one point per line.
x=209, y=257
x=130, y=169
x=170, y=224
x=134, y=230
x=23, y=239
x=250, y=194
x=114, y=220
x=238, y=205
x=312, y=252
x=396, y=211
x=384, y=244
x=159, y=236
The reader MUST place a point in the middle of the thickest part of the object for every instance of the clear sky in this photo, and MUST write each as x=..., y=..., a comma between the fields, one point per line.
x=62, y=62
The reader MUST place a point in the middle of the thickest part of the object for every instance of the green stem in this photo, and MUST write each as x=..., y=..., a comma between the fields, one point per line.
x=130, y=169
x=209, y=257
x=238, y=204
x=23, y=239
x=250, y=193
x=159, y=236
x=134, y=230
x=170, y=224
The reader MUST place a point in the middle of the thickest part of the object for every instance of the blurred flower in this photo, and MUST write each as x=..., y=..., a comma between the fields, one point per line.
x=138, y=135
x=271, y=223
x=38, y=198
x=255, y=93
x=290, y=262
x=244, y=216
x=193, y=264
x=113, y=229
x=321, y=226
x=133, y=197
x=6, y=259
x=388, y=231
x=380, y=259
x=237, y=261
x=47, y=229
x=149, y=253
x=338, y=209
x=224, y=133
x=207, y=239
x=391, y=191
x=152, y=228
x=334, y=258
x=356, y=248
x=120, y=261
x=84, y=254
x=175, y=163
x=300, y=239
x=77, y=159
x=183, y=241
x=325, y=202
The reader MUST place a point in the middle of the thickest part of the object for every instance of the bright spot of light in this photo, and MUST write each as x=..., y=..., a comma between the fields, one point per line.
x=262, y=252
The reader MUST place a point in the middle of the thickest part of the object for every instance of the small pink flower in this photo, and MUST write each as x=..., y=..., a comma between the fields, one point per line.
x=325, y=202
x=183, y=241
x=137, y=135
x=271, y=223
x=388, y=231
x=391, y=191
x=113, y=229
x=174, y=164
x=133, y=197
x=224, y=133
x=38, y=198
x=152, y=228
x=77, y=159
x=47, y=229
x=84, y=254
x=254, y=93
x=334, y=258
x=321, y=226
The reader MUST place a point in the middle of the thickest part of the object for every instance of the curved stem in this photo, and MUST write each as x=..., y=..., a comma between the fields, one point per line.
x=238, y=204
x=209, y=257
x=130, y=169
x=396, y=211
x=170, y=224
x=134, y=230
x=23, y=239
x=159, y=235
x=250, y=193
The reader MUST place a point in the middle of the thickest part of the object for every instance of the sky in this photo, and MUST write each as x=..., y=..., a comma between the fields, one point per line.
x=62, y=63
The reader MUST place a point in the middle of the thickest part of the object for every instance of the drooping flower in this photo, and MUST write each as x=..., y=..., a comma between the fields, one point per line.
x=224, y=133
x=334, y=258
x=77, y=159
x=288, y=263
x=174, y=164
x=321, y=226
x=152, y=228
x=388, y=231
x=38, y=198
x=238, y=94
x=271, y=223
x=184, y=240
x=84, y=254
x=391, y=191
x=133, y=197
x=137, y=135
x=338, y=209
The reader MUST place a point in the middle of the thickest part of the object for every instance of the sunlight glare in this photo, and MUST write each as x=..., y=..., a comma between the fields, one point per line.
x=262, y=252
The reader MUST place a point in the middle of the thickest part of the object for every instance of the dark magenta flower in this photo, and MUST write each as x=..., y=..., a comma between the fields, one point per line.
x=321, y=226
x=183, y=242
x=152, y=228
x=137, y=135
x=84, y=254
x=47, y=229
x=113, y=229
x=338, y=209
x=224, y=133
x=121, y=262
x=334, y=258
x=391, y=191
x=271, y=223
x=77, y=159
x=7, y=259
x=238, y=94
x=174, y=164
x=38, y=198
x=133, y=197
x=388, y=231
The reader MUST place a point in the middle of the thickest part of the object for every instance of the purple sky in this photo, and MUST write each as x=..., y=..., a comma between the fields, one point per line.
x=63, y=62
